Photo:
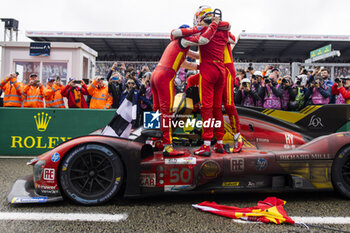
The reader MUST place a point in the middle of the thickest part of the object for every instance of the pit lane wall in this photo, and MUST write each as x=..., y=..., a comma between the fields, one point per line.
x=33, y=131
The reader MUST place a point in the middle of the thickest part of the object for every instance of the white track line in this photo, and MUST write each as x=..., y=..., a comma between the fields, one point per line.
x=17, y=157
x=312, y=220
x=62, y=217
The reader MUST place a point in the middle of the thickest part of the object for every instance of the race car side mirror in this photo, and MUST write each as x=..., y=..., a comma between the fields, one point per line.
x=155, y=133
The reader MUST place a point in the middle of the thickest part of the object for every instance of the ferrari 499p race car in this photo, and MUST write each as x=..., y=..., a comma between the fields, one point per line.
x=283, y=151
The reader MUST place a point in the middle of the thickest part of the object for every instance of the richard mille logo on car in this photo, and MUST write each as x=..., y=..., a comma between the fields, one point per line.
x=304, y=156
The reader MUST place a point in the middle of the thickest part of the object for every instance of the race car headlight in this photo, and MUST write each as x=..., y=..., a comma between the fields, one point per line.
x=38, y=170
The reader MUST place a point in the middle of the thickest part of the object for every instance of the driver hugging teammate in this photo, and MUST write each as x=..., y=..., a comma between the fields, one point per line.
x=215, y=78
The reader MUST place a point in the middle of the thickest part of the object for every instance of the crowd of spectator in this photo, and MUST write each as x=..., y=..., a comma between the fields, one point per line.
x=111, y=57
x=270, y=89
x=104, y=92
x=265, y=87
x=102, y=68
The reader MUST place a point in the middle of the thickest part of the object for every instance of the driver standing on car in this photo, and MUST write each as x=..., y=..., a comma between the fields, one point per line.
x=211, y=80
x=162, y=80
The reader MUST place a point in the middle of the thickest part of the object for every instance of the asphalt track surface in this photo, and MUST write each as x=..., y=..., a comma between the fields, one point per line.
x=172, y=213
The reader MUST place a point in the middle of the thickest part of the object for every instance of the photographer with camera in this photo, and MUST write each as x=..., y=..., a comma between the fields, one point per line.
x=131, y=74
x=74, y=92
x=145, y=90
x=341, y=89
x=256, y=80
x=271, y=92
x=318, y=92
x=100, y=97
x=265, y=72
x=245, y=95
x=33, y=93
x=286, y=84
x=131, y=87
x=144, y=70
x=12, y=91
x=52, y=93
x=240, y=74
x=250, y=70
x=115, y=88
x=301, y=89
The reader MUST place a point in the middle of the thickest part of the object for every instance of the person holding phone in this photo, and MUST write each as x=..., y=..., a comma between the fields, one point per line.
x=115, y=88
x=33, y=93
x=52, y=93
x=100, y=97
x=12, y=91
x=74, y=92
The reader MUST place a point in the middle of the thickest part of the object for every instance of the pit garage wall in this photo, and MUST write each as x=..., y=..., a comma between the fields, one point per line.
x=33, y=131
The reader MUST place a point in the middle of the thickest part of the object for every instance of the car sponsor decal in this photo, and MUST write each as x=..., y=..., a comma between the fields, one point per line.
x=254, y=184
x=210, y=169
x=237, y=164
x=29, y=199
x=289, y=141
x=55, y=157
x=186, y=160
x=177, y=188
x=230, y=184
x=304, y=156
x=49, y=174
x=315, y=122
x=148, y=179
x=40, y=186
x=261, y=164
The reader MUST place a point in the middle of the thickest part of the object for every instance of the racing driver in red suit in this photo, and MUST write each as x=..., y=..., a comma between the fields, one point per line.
x=211, y=82
x=228, y=94
x=162, y=80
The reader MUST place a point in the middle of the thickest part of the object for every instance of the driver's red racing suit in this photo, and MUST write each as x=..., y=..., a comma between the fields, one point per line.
x=212, y=81
x=228, y=94
x=162, y=80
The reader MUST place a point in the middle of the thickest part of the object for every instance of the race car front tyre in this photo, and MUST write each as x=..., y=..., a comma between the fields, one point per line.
x=91, y=174
x=341, y=172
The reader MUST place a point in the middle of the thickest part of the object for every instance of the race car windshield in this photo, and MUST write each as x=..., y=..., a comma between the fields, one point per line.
x=135, y=133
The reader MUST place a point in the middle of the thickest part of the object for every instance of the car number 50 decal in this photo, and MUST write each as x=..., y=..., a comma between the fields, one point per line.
x=179, y=175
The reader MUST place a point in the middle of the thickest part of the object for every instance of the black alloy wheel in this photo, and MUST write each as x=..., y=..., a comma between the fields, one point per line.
x=91, y=174
x=341, y=172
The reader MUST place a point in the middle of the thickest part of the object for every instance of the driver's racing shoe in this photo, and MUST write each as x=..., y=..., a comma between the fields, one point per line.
x=203, y=151
x=169, y=151
x=219, y=148
x=238, y=143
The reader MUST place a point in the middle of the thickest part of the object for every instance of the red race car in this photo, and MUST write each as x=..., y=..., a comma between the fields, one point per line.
x=283, y=151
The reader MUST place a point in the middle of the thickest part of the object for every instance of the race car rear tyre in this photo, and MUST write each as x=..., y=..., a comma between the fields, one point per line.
x=91, y=174
x=341, y=172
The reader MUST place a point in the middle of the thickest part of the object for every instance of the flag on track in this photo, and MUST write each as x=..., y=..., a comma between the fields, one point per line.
x=269, y=210
x=121, y=123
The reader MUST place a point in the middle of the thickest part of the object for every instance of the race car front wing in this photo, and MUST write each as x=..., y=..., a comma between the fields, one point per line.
x=23, y=191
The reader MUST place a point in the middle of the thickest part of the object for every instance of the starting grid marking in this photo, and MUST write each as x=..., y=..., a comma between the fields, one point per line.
x=29, y=216
x=312, y=220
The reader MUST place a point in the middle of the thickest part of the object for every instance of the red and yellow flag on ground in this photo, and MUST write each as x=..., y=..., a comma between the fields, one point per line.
x=269, y=210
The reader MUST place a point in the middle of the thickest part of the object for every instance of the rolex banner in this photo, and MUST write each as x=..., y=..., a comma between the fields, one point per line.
x=33, y=131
